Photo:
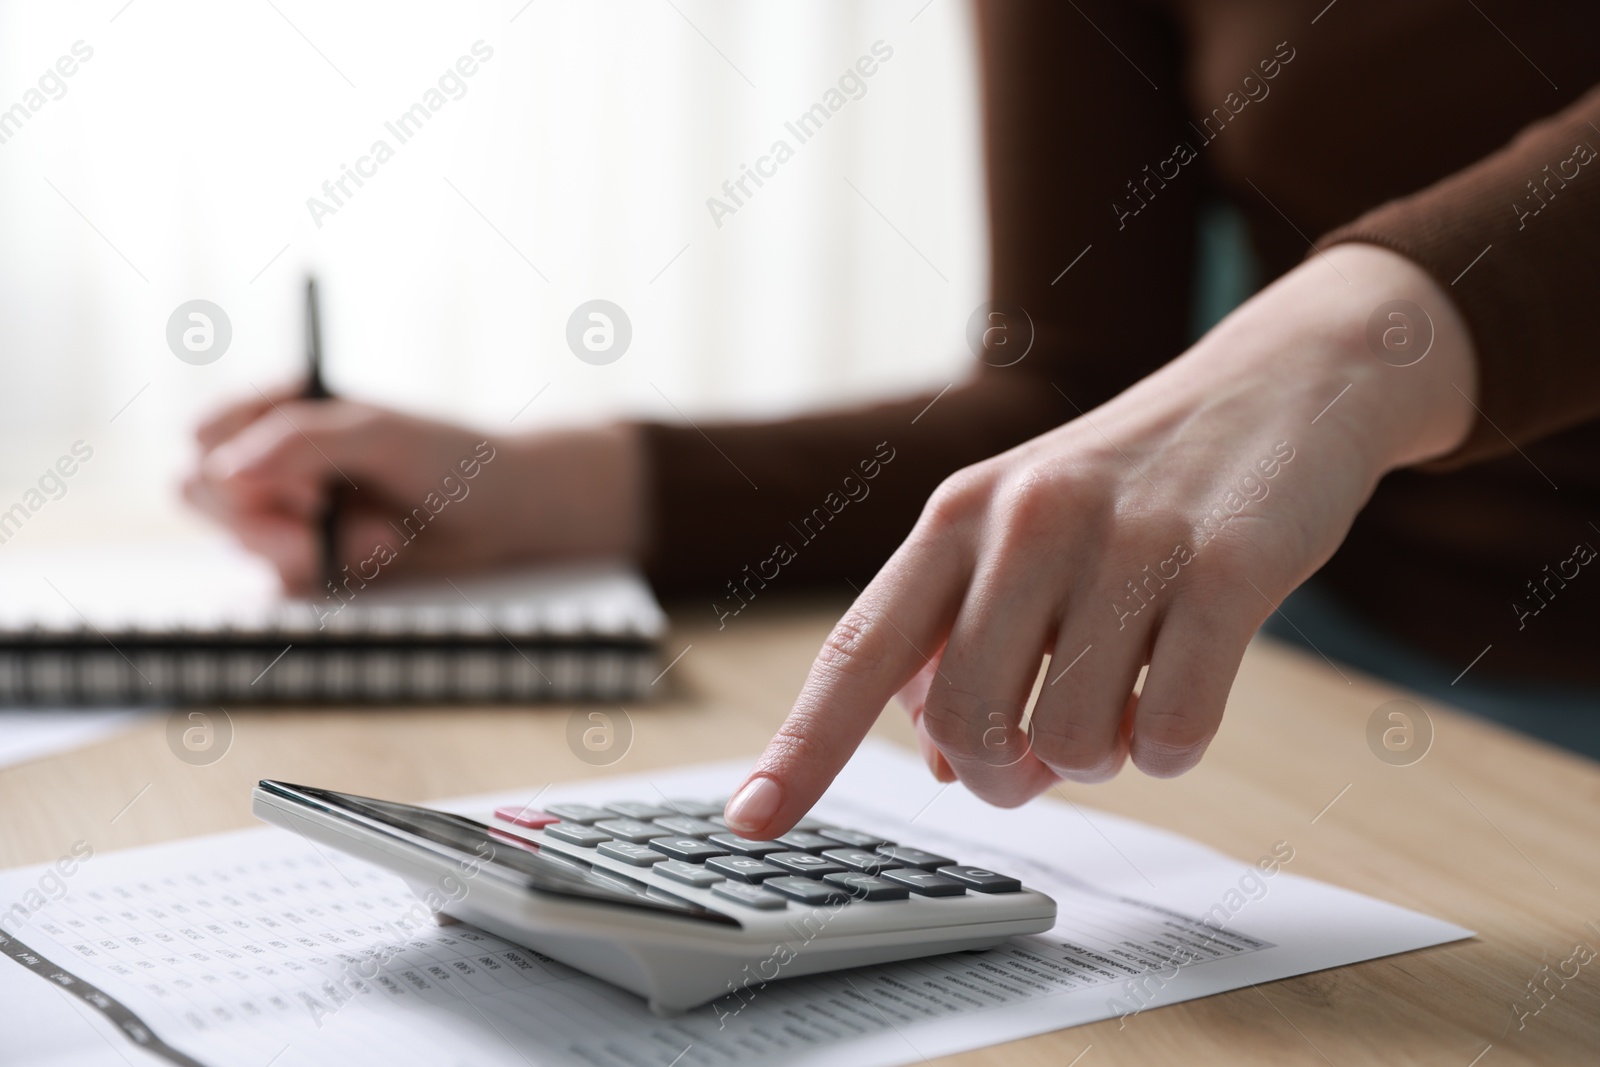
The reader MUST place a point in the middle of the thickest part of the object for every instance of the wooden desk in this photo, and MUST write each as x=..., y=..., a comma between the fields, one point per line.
x=1496, y=833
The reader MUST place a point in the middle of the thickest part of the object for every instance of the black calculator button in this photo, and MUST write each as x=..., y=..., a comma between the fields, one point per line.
x=633, y=830
x=900, y=856
x=578, y=813
x=578, y=834
x=745, y=847
x=926, y=883
x=687, y=873
x=689, y=849
x=805, y=841
x=805, y=863
x=859, y=859
x=688, y=826
x=743, y=868
x=982, y=879
x=866, y=886
x=853, y=838
x=750, y=895
x=638, y=809
x=807, y=890
x=630, y=853
x=695, y=809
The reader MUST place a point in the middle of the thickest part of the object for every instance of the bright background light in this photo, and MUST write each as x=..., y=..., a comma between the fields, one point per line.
x=178, y=163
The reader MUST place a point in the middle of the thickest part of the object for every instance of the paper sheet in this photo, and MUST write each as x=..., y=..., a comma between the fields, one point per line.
x=27, y=735
x=235, y=949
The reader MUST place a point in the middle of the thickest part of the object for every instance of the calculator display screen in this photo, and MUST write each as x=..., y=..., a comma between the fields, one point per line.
x=475, y=846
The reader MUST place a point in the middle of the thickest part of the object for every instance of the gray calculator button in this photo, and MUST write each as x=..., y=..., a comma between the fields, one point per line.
x=866, y=886
x=859, y=859
x=745, y=847
x=853, y=838
x=805, y=863
x=743, y=868
x=809, y=825
x=805, y=841
x=689, y=826
x=982, y=879
x=579, y=813
x=807, y=890
x=687, y=873
x=632, y=829
x=577, y=834
x=901, y=856
x=751, y=895
x=690, y=849
x=628, y=852
x=925, y=883
x=695, y=809
x=638, y=809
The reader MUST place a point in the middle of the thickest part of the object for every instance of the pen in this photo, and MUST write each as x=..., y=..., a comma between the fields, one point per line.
x=317, y=389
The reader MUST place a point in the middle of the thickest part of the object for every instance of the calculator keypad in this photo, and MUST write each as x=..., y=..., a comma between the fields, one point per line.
x=743, y=868
x=689, y=849
x=852, y=838
x=689, y=825
x=578, y=813
x=577, y=834
x=751, y=895
x=631, y=829
x=982, y=879
x=867, y=886
x=735, y=843
x=638, y=809
x=807, y=890
x=927, y=883
x=805, y=863
x=815, y=864
x=631, y=854
x=901, y=856
x=804, y=841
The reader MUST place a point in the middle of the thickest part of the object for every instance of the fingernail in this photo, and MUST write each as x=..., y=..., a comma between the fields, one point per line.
x=754, y=805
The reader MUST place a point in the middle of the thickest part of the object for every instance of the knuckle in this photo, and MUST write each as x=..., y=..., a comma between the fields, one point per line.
x=796, y=743
x=956, y=499
x=1068, y=744
x=1172, y=735
x=852, y=648
x=1029, y=507
x=1037, y=505
x=948, y=718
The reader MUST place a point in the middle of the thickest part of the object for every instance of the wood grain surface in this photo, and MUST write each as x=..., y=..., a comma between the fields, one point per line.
x=1488, y=830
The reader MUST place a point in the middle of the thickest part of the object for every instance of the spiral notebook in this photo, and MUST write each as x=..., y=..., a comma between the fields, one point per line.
x=202, y=623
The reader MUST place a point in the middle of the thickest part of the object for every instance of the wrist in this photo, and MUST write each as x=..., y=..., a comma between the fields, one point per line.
x=1366, y=344
x=1409, y=351
x=577, y=492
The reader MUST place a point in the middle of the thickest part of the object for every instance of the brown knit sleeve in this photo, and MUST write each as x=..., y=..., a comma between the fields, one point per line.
x=1075, y=134
x=1515, y=240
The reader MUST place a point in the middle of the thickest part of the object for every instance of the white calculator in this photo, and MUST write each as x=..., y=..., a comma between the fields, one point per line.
x=662, y=899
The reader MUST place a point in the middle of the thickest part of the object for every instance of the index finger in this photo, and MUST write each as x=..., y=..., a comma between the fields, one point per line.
x=228, y=421
x=897, y=622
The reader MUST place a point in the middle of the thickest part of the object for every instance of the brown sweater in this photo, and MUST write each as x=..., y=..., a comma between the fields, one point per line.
x=1462, y=135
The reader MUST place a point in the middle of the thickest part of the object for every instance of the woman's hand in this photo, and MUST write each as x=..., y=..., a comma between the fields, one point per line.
x=1162, y=528
x=267, y=466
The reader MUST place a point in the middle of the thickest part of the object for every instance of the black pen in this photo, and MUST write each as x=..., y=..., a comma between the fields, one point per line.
x=317, y=389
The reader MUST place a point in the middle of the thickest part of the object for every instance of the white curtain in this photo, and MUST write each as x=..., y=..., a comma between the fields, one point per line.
x=575, y=162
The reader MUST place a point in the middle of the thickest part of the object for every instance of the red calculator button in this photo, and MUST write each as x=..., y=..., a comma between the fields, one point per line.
x=533, y=820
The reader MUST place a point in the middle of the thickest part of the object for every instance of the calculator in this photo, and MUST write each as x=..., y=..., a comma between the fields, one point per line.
x=662, y=899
